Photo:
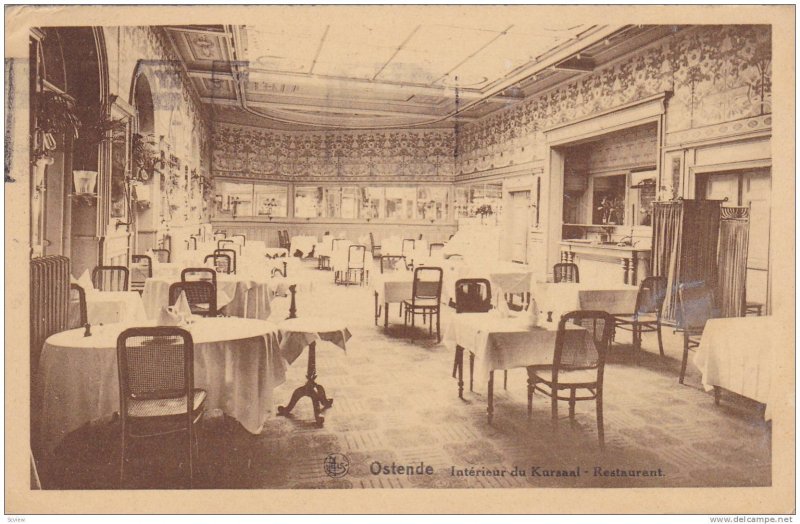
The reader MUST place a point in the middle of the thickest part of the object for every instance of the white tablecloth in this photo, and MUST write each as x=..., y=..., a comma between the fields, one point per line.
x=239, y=295
x=297, y=333
x=392, y=286
x=505, y=343
x=740, y=355
x=303, y=243
x=505, y=277
x=108, y=307
x=567, y=296
x=237, y=361
x=171, y=271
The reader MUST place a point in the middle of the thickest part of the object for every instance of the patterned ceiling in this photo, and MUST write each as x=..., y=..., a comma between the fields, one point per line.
x=384, y=73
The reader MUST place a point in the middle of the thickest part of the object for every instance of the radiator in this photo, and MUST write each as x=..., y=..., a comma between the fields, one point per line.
x=49, y=301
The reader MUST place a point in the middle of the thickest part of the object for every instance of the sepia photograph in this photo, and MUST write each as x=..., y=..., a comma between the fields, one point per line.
x=428, y=249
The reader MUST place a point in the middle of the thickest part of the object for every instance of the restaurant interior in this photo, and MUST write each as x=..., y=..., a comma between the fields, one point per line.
x=307, y=251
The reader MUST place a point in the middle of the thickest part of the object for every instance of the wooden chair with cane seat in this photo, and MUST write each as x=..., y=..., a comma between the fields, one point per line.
x=435, y=247
x=566, y=272
x=579, y=360
x=647, y=316
x=426, y=298
x=194, y=274
x=200, y=294
x=231, y=254
x=221, y=262
x=78, y=316
x=156, y=389
x=110, y=278
x=473, y=295
x=374, y=248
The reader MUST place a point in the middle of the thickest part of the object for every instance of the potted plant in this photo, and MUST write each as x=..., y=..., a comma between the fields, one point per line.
x=146, y=156
x=484, y=211
x=55, y=114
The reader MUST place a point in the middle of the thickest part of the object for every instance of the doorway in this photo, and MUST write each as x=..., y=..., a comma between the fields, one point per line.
x=519, y=225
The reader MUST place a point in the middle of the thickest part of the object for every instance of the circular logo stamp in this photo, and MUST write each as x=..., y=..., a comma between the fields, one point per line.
x=336, y=465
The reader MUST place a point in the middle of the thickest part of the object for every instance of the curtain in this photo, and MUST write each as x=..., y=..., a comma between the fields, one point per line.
x=734, y=232
x=666, y=256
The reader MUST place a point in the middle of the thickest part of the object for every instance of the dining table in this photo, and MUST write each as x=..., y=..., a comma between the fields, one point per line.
x=241, y=294
x=237, y=361
x=505, y=277
x=555, y=299
x=296, y=334
x=741, y=355
x=497, y=342
x=391, y=287
x=108, y=307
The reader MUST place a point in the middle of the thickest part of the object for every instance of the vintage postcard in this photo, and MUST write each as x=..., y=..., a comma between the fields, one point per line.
x=400, y=259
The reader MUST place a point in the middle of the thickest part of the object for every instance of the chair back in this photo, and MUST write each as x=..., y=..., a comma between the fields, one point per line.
x=393, y=263
x=436, y=247
x=355, y=256
x=141, y=269
x=191, y=243
x=427, y=284
x=78, y=316
x=582, y=343
x=226, y=244
x=222, y=263
x=696, y=306
x=155, y=363
x=566, y=272
x=451, y=237
x=195, y=274
x=220, y=235
x=162, y=255
x=651, y=295
x=110, y=278
x=473, y=295
x=200, y=294
x=240, y=239
x=231, y=254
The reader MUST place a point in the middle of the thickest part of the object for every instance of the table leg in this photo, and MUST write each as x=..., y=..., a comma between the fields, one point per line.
x=471, y=369
x=293, y=304
x=310, y=389
x=717, y=394
x=377, y=311
x=490, y=395
x=460, y=369
x=385, y=315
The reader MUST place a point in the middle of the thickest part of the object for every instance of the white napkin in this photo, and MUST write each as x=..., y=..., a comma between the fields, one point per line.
x=168, y=317
x=533, y=313
x=85, y=281
x=182, y=306
x=502, y=305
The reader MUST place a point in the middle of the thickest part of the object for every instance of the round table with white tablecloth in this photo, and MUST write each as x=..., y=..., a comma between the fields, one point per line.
x=237, y=361
x=237, y=295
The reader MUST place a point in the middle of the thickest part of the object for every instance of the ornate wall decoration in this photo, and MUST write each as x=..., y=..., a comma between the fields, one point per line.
x=716, y=73
x=409, y=155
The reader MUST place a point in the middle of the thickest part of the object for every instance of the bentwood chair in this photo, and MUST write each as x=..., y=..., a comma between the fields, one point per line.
x=222, y=263
x=191, y=243
x=237, y=238
x=78, y=316
x=200, y=294
x=231, y=254
x=162, y=255
x=356, y=259
x=226, y=244
x=324, y=261
x=436, y=247
x=375, y=249
x=194, y=274
x=426, y=297
x=156, y=389
x=696, y=308
x=407, y=250
x=141, y=269
x=579, y=359
x=566, y=272
x=110, y=278
x=647, y=316
x=220, y=235
x=393, y=263
x=473, y=295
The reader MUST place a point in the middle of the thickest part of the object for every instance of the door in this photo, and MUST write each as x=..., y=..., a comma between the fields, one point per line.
x=519, y=225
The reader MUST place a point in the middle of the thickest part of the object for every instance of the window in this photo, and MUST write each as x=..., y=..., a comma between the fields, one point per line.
x=371, y=205
x=246, y=199
x=308, y=202
x=400, y=202
x=476, y=198
x=432, y=203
